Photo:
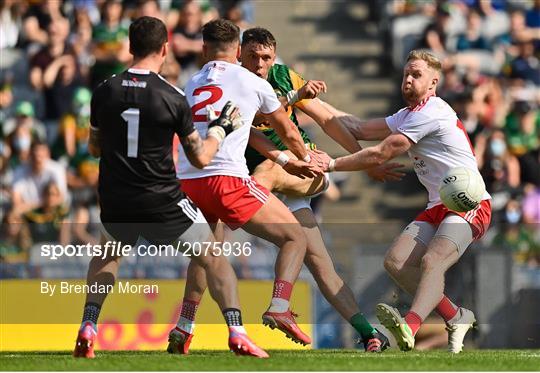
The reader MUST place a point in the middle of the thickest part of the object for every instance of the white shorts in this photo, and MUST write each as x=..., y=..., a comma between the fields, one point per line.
x=299, y=203
x=294, y=203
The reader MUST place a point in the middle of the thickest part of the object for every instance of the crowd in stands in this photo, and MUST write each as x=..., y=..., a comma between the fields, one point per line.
x=53, y=54
x=490, y=50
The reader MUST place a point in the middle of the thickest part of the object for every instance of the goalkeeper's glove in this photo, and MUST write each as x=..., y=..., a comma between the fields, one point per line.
x=222, y=125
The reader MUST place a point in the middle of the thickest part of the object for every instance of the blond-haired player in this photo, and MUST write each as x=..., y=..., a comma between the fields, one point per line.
x=435, y=139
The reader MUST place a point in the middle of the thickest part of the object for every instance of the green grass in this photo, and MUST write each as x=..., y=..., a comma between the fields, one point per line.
x=314, y=360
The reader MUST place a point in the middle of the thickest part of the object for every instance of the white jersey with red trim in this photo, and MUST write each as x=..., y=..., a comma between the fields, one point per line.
x=440, y=142
x=215, y=84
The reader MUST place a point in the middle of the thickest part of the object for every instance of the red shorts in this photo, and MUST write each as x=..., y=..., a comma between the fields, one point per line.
x=232, y=199
x=478, y=218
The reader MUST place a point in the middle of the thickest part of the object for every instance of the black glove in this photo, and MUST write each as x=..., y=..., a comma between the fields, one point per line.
x=229, y=120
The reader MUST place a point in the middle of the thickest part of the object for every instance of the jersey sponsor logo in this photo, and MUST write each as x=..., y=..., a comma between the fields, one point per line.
x=420, y=166
x=133, y=83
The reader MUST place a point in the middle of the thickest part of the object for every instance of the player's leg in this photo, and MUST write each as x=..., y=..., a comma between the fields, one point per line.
x=216, y=272
x=275, y=223
x=102, y=271
x=274, y=178
x=404, y=258
x=453, y=237
x=332, y=286
x=444, y=249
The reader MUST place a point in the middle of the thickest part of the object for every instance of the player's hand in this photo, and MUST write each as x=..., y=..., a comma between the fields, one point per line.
x=301, y=169
x=222, y=125
x=320, y=159
x=386, y=172
x=311, y=89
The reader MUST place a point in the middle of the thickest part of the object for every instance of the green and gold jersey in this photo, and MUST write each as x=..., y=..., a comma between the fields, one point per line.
x=283, y=79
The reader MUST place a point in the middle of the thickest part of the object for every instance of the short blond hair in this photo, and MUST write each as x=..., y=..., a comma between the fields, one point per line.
x=422, y=54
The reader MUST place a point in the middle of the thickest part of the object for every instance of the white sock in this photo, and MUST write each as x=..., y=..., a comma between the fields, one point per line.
x=279, y=305
x=186, y=325
x=238, y=329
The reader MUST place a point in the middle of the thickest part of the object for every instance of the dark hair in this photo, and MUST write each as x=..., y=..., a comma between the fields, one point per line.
x=36, y=142
x=258, y=35
x=220, y=33
x=146, y=36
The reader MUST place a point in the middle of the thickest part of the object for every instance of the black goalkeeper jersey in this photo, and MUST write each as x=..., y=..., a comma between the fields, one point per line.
x=137, y=114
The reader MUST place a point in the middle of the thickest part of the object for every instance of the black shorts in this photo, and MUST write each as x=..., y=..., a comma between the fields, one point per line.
x=158, y=227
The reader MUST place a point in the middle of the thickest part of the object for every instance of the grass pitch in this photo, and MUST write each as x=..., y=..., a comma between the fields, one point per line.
x=312, y=360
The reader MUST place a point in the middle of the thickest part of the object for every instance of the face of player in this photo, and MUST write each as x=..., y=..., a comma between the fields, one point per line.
x=419, y=80
x=258, y=58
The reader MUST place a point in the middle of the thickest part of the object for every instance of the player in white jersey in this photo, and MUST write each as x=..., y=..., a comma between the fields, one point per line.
x=429, y=130
x=223, y=190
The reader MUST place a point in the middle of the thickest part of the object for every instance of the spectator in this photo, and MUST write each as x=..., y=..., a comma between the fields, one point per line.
x=47, y=222
x=187, y=40
x=435, y=36
x=234, y=12
x=6, y=179
x=110, y=43
x=472, y=38
x=24, y=117
x=10, y=20
x=54, y=72
x=30, y=180
x=74, y=127
x=497, y=165
x=37, y=19
x=526, y=66
x=522, y=130
x=150, y=8
x=15, y=240
x=495, y=21
x=6, y=99
x=80, y=41
x=531, y=204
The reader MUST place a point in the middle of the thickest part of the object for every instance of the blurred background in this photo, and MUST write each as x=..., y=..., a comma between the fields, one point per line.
x=53, y=53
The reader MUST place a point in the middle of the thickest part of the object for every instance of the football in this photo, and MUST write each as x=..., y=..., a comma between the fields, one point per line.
x=461, y=189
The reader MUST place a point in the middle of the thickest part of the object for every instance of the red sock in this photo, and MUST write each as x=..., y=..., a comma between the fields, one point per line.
x=414, y=321
x=189, y=309
x=446, y=309
x=282, y=289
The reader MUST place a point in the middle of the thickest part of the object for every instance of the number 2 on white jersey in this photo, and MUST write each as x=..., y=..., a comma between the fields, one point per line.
x=215, y=94
x=131, y=116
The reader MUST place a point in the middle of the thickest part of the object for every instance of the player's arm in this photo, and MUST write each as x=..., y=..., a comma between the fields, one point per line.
x=288, y=132
x=259, y=142
x=372, y=156
x=309, y=90
x=368, y=130
x=199, y=152
x=331, y=125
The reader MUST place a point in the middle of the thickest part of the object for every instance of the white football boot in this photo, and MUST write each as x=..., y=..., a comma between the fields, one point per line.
x=457, y=329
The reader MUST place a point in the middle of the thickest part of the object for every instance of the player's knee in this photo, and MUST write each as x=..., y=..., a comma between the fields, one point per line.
x=296, y=235
x=392, y=264
x=431, y=261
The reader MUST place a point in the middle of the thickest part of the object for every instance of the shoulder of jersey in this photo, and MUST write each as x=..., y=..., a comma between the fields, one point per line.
x=437, y=106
